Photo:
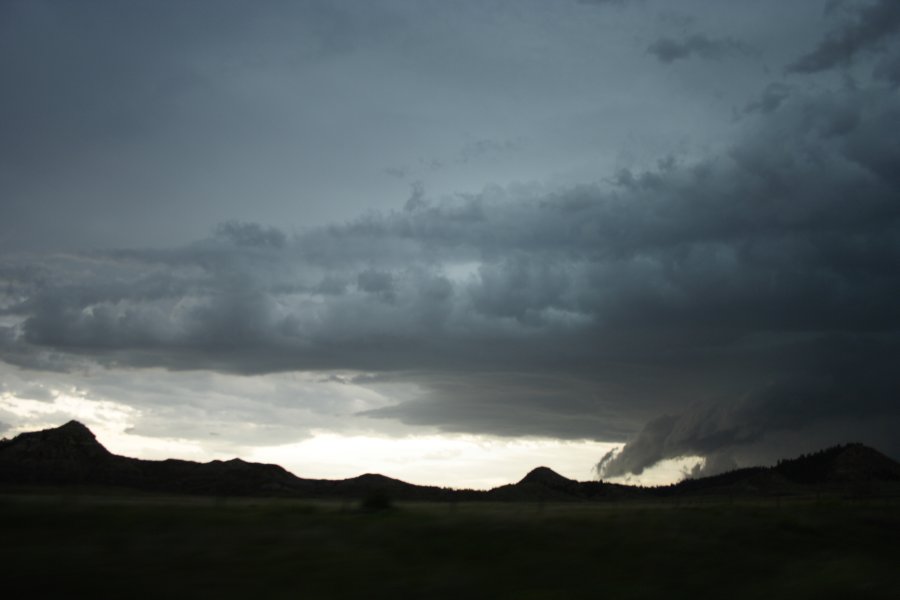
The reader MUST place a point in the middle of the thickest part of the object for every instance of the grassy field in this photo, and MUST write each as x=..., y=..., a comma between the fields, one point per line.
x=158, y=547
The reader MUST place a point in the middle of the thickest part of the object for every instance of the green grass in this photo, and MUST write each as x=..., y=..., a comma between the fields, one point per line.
x=178, y=547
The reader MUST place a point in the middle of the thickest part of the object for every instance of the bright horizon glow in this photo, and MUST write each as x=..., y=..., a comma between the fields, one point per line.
x=459, y=461
x=445, y=460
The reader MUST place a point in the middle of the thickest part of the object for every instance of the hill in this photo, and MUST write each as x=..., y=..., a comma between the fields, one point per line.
x=546, y=485
x=840, y=464
x=848, y=468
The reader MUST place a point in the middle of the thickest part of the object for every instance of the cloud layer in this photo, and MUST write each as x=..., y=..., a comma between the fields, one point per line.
x=669, y=50
x=732, y=292
x=870, y=26
x=734, y=277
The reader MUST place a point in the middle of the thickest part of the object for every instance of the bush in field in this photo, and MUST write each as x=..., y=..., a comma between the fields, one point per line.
x=376, y=500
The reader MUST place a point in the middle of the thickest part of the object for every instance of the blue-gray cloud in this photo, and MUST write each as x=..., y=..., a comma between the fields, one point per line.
x=870, y=25
x=716, y=279
x=772, y=97
x=601, y=2
x=744, y=286
x=669, y=50
x=860, y=384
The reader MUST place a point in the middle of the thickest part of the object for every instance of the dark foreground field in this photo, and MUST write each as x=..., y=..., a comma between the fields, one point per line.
x=169, y=547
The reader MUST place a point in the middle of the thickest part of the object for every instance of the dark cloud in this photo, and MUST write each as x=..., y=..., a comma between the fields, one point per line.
x=869, y=26
x=251, y=234
x=743, y=294
x=416, y=199
x=515, y=403
x=888, y=68
x=713, y=464
x=844, y=379
x=772, y=97
x=69, y=85
x=744, y=286
x=668, y=50
x=117, y=109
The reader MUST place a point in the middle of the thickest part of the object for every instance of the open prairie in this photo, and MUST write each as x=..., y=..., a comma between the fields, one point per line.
x=155, y=546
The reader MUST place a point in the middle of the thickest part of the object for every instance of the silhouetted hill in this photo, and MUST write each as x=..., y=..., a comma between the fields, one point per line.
x=540, y=484
x=71, y=455
x=846, y=468
x=70, y=442
x=544, y=484
x=232, y=477
x=546, y=476
x=740, y=482
x=840, y=464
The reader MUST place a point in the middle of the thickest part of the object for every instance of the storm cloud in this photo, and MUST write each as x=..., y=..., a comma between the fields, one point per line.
x=871, y=26
x=669, y=50
x=697, y=284
x=847, y=380
x=739, y=272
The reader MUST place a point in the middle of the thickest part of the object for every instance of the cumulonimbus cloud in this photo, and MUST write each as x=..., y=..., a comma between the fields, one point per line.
x=714, y=281
x=869, y=27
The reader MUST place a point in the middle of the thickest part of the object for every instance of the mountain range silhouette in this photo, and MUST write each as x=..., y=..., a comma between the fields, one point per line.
x=70, y=455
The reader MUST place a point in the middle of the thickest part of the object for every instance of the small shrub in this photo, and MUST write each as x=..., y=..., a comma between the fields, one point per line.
x=376, y=501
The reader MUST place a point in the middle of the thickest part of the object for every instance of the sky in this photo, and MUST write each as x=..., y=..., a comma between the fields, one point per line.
x=450, y=241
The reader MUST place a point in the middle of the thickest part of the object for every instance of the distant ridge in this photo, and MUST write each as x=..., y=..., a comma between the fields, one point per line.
x=846, y=463
x=842, y=469
x=71, y=455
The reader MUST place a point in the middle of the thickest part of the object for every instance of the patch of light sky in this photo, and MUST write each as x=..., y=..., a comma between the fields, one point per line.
x=460, y=461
